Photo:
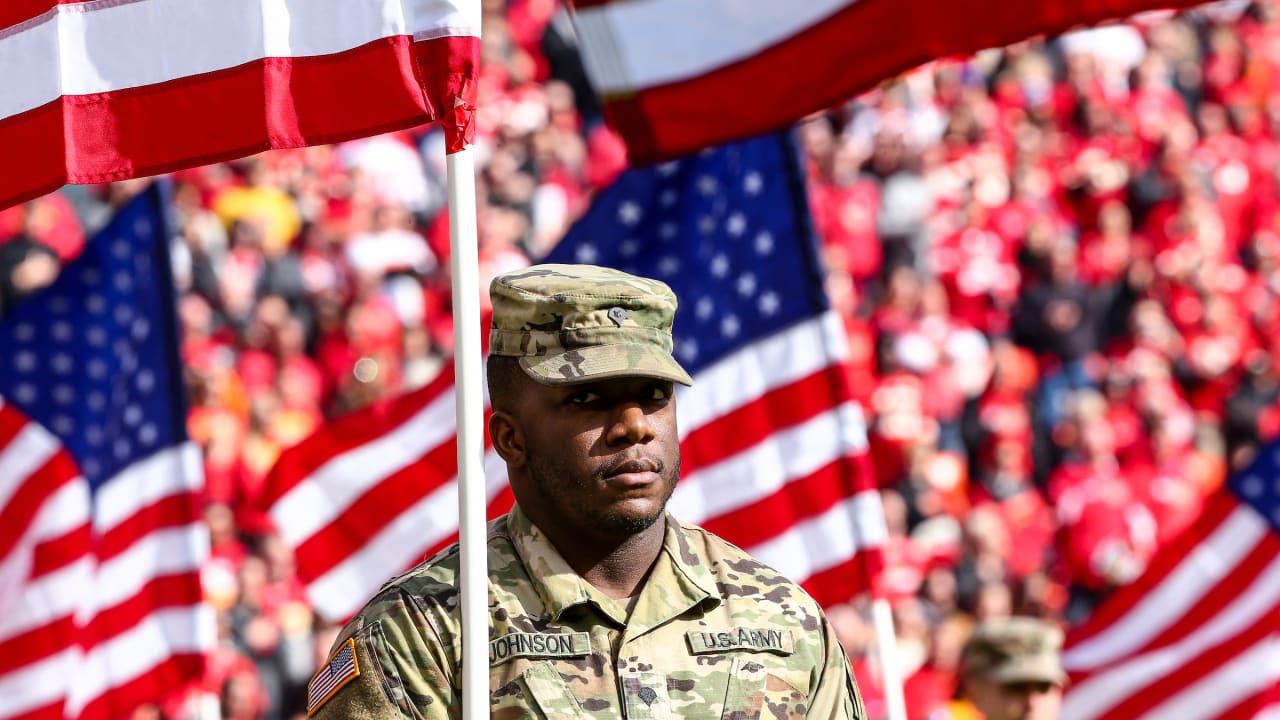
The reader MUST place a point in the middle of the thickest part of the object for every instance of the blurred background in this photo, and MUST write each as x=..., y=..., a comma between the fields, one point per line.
x=1056, y=263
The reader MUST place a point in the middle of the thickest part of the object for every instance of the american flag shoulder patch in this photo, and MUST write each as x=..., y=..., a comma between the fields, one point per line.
x=341, y=669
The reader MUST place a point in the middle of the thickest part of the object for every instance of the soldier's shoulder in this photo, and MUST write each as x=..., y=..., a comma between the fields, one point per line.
x=433, y=583
x=740, y=574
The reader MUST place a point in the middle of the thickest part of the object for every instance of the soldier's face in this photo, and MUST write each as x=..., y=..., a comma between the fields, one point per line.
x=1018, y=701
x=600, y=457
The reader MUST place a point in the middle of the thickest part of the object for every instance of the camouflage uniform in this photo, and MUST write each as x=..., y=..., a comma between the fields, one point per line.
x=712, y=632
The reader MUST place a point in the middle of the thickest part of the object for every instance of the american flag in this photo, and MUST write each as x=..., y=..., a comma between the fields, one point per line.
x=773, y=448
x=98, y=91
x=340, y=670
x=672, y=73
x=1197, y=636
x=100, y=533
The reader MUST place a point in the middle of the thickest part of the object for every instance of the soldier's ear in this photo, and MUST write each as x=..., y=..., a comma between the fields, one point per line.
x=507, y=437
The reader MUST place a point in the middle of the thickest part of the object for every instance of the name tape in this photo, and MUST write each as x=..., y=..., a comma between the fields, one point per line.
x=538, y=645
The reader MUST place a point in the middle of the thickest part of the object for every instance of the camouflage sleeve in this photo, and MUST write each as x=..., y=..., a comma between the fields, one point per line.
x=837, y=694
x=400, y=670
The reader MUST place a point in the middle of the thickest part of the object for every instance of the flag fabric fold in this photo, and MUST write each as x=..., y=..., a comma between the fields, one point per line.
x=773, y=447
x=98, y=91
x=677, y=76
x=101, y=535
x=1198, y=634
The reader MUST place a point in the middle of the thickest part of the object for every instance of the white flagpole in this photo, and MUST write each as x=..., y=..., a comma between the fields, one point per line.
x=473, y=579
x=890, y=668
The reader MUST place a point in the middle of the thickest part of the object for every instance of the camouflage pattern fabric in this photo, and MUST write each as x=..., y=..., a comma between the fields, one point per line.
x=1016, y=650
x=574, y=323
x=712, y=634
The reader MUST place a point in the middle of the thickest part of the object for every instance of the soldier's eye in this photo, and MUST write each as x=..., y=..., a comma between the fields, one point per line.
x=583, y=397
x=659, y=392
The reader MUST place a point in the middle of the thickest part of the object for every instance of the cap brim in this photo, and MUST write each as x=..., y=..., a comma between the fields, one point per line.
x=602, y=362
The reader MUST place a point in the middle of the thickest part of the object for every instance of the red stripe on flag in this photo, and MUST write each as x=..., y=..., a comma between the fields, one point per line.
x=372, y=512
x=1164, y=687
x=819, y=67
x=1253, y=706
x=842, y=582
x=1233, y=584
x=159, y=593
x=36, y=644
x=173, y=511
x=55, y=636
x=770, y=516
x=123, y=699
x=348, y=433
x=57, y=553
x=499, y=506
x=17, y=515
x=268, y=103
x=753, y=422
x=501, y=503
x=1217, y=509
x=13, y=12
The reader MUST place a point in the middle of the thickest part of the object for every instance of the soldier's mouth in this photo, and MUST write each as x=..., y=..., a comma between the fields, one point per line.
x=636, y=472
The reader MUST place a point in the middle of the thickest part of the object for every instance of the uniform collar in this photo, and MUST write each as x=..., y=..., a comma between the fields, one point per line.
x=681, y=571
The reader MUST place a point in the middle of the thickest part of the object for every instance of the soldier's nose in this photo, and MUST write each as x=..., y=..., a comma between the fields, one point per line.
x=632, y=425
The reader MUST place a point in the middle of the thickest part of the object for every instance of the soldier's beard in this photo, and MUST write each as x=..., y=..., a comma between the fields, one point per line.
x=569, y=496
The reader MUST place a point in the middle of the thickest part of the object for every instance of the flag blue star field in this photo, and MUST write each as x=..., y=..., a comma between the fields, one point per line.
x=100, y=533
x=773, y=450
x=1197, y=635
x=727, y=229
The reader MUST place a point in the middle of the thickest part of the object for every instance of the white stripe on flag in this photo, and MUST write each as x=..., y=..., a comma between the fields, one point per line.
x=765, y=468
x=1212, y=560
x=26, y=453
x=66, y=509
x=823, y=541
x=340, y=591
x=165, y=632
x=316, y=501
x=168, y=472
x=61, y=593
x=123, y=658
x=1098, y=694
x=1244, y=676
x=752, y=372
x=106, y=46
x=667, y=40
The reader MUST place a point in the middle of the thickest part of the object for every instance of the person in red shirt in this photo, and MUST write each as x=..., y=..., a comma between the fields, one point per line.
x=1106, y=534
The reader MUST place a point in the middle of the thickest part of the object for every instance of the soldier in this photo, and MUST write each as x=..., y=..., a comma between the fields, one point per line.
x=601, y=604
x=1012, y=669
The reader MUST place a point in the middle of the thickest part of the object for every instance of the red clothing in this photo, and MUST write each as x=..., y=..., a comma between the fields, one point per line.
x=1107, y=535
x=1030, y=525
x=899, y=420
x=905, y=564
x=845, y=218
x=927, y=690
x=979, y=269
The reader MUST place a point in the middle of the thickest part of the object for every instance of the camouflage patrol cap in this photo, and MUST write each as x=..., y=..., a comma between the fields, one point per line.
x=1015, y=650
x=577, y=323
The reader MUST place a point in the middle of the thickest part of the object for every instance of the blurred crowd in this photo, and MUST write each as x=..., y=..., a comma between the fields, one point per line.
x=1057, y=263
